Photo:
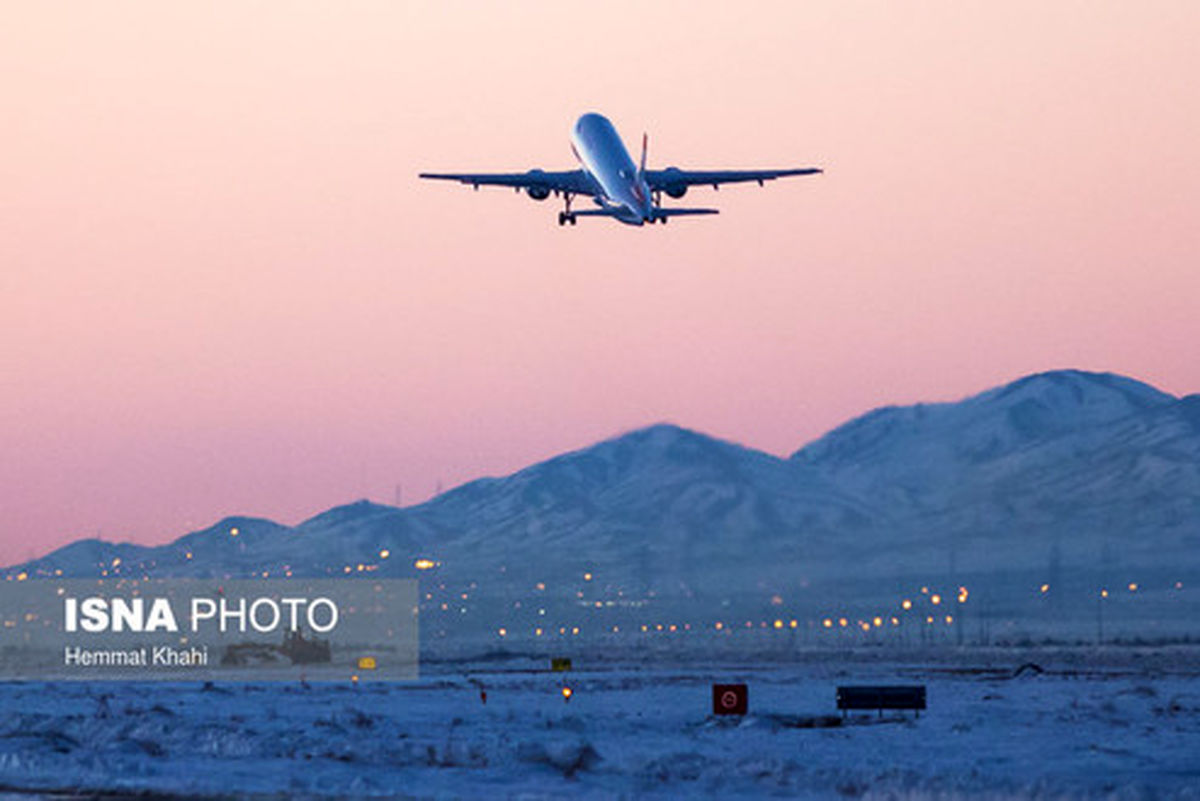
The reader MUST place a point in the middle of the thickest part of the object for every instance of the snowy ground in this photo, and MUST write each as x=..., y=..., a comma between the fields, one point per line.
x=1111, y=725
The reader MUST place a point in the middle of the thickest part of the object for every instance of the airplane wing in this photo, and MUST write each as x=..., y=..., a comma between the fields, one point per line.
x=536, y=182
x=675, y=181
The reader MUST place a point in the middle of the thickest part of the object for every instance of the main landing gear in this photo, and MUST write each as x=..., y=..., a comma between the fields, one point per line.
x=566, y=216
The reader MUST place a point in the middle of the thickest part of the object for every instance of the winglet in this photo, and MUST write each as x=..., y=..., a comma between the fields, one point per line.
x=645, y=143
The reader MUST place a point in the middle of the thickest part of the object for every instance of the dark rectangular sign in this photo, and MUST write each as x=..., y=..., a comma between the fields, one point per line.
x=885, y=697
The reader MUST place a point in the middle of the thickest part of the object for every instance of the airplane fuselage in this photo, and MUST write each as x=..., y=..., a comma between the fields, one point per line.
x=603, y=155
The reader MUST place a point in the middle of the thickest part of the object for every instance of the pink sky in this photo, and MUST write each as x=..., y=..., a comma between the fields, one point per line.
x=224, y=290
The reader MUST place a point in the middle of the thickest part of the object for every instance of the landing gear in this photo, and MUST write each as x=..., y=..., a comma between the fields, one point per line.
x=566, y=216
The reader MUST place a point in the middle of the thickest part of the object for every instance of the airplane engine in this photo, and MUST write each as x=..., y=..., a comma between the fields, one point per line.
x=674, y=190
x=534, y=190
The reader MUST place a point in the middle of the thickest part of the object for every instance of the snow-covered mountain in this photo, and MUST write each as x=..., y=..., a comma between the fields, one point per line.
x=1067, y=478
x=1089, y=461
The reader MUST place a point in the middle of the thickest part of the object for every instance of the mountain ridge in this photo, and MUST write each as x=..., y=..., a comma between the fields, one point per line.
x=1092, y=469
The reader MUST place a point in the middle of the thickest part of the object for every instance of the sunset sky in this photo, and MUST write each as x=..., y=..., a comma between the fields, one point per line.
x=224, y=291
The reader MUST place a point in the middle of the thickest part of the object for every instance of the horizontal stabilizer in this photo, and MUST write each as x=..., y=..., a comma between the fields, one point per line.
x=682, y=212
x=622, y=213
x=611, y=211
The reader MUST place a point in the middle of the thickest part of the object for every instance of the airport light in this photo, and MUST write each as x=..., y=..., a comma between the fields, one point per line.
x=385, y=553
x=1045, y=588
x=424, y=564
x=906, y=604
x=1133, y=587
x=827, y=623
x=935, y=599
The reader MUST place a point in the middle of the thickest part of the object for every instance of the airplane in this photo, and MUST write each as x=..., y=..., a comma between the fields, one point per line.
x=629, y=194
